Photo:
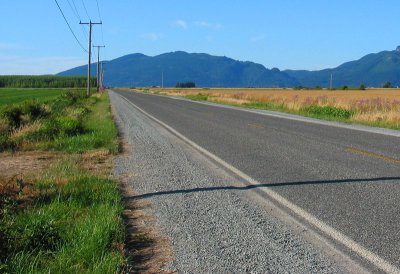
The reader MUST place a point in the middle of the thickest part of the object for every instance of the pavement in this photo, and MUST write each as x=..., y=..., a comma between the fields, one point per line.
x=338, y=181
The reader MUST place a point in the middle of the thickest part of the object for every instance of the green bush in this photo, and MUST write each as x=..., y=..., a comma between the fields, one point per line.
x=328, y=111
x=69, y=125
x=6, y=143
x=13, y=115
x=34, y=109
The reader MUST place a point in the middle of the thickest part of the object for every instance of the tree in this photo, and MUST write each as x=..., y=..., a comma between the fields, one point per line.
x=186, y=85
x=387, y=85
x=362, y=87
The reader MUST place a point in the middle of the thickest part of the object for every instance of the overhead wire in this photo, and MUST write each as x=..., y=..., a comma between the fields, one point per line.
x=76, y=13
x=84, y=6
x=101, y=26
x=66, y=21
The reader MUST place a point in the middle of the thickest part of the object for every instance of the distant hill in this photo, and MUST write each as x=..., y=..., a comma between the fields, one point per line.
x=373, y=70
x=203, y=69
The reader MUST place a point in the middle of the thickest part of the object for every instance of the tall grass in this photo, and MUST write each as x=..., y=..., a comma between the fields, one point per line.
x=72, y=220
x=375, y=107
x=74, y=228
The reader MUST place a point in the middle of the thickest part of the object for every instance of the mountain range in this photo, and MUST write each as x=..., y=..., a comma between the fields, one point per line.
x=372, y=70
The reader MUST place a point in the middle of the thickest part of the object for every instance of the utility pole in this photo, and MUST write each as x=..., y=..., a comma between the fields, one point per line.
x=162, y=79
x=331, y=82
x=90, y=23
x=102, y=76
x=98, y=63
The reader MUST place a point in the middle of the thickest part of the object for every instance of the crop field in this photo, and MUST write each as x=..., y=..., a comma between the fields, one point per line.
x=376, y=107
x=15, y=95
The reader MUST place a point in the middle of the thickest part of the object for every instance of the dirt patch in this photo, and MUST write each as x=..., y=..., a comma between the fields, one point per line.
x=146, y=250
x=26, y=163
x=98, y=161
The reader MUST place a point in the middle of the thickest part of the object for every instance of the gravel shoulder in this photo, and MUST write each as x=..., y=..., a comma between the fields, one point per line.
x=211, y=227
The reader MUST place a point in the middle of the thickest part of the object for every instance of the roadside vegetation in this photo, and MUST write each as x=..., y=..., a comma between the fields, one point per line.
x=374, y=107
x=59, y=209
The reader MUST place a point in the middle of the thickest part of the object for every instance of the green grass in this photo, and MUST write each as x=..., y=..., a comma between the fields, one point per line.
x=74, y=226
x=197, y=97
x=69, y=122
x=100, y=131
x=327, y=112
x=265, y=105
x=15, y=95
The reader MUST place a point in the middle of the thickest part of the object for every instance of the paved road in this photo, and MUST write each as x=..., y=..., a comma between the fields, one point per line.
x=348, y=179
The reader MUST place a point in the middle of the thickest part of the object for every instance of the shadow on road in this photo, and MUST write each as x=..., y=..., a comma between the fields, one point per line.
x=270, y=185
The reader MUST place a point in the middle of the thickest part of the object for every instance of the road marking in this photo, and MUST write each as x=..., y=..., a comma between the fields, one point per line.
x=374, y=259
x=255, y=125
x=374, y=155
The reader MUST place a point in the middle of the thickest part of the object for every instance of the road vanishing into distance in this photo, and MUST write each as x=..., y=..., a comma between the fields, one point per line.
x=342, y=183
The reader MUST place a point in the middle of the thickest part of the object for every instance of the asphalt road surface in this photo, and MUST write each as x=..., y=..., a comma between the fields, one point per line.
x=347, y=179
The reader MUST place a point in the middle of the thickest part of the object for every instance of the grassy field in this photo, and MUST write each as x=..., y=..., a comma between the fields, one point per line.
x=375, y=107
x=59, y=209
x=15, y=95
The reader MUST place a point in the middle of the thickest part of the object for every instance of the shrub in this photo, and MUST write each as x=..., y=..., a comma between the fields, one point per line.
x=13, y=115
x=34, y=109
x=387, y=85
x=3, y=126
x=6, y=143
x=69, y=125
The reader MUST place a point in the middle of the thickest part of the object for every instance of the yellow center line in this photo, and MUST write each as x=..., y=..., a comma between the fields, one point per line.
x=374, y=155
x=255, y=125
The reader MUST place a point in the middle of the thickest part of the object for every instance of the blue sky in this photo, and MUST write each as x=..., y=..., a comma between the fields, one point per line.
x=288, y=34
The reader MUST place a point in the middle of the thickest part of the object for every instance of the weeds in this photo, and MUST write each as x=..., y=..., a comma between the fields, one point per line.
x=327, y=111
x=69, y=218
x=198, y=97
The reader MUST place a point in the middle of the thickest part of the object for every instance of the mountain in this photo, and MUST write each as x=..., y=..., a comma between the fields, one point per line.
x=203, y=69
x=373, y=70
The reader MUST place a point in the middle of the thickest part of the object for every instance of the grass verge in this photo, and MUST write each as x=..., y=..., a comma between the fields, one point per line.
x=67, y=218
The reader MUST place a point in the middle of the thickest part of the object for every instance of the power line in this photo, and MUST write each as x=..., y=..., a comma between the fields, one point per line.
x=84, y=6
x=66, y=21
x=97, y=2
x=76, y=13
x=73, y=11
x=101, y=27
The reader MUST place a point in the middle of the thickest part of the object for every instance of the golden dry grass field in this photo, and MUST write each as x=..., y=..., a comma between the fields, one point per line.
x=379, y=107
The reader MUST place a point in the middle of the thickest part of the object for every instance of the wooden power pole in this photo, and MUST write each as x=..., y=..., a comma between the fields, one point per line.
x=98, y=64
x=90, y=23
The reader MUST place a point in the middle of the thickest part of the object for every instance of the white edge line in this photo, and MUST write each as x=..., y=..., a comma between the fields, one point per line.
x=289, y=116
x=330, y=231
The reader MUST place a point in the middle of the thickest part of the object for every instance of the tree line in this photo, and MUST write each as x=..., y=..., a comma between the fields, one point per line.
x=44, y=81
